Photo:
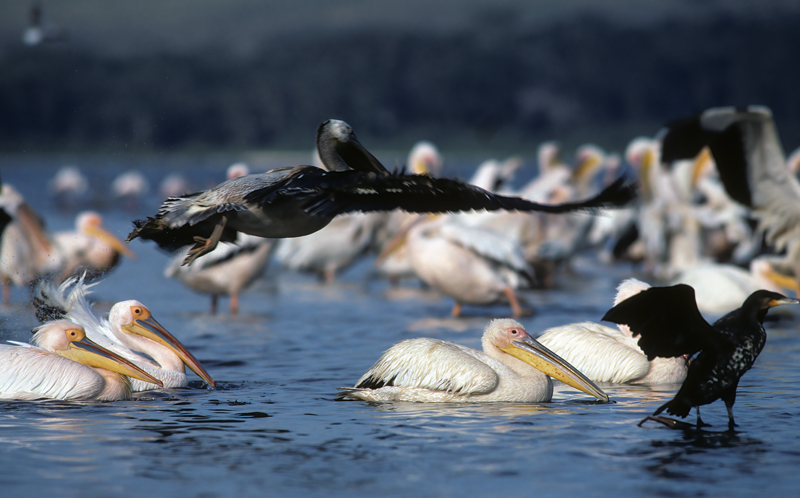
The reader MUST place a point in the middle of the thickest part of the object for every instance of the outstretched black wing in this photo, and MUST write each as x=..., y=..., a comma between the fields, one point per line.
x=667, y=319
x=330, y=193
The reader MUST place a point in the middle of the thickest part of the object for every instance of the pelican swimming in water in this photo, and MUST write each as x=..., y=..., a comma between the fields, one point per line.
x=296, y=201
x=606, y=354
x=64, y=364
x=90, y=247
x=129, y=330
x=473, y=265
x=512, y=367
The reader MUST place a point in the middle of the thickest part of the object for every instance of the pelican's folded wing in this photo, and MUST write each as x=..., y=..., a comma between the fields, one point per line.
x=32, y=373
x=431, y=364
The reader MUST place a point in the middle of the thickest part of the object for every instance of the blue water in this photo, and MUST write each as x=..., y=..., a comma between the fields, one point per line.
x=272, y=427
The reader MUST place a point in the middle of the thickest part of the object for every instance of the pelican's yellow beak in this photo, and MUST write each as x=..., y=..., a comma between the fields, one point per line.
x=83, y=350
x=781, y=280
x=701, y=163
x=586, y=167
x=109, y=238
x=147, y=326
x=539, y=357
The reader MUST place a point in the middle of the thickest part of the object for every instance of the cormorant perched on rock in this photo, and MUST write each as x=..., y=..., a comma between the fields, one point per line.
x=297, y=201
x=670, y=325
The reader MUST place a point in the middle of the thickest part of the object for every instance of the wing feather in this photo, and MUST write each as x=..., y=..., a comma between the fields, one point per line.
x=603, y=354
x=32, y=373
x=432, y=364
x=667, y=319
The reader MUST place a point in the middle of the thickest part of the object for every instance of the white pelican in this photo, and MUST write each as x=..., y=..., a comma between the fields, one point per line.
x=229, y=268
x=130, y=186
x=512, y=367
x=291, y=202
x=129, y=330
x=721, y=287
x=328, y=251
x=38, y=31
x=90, y=247
x=473, y=265
x=752, y=167
x=606, y=354
x=174, y=184
x=26, y=251
x=492, y=175
x=66, y=365
x=69, y=184
x=225, y=271
x=423, y=159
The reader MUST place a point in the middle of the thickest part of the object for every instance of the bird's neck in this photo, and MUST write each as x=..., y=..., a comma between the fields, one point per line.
x=117, y=386
x=164, y=356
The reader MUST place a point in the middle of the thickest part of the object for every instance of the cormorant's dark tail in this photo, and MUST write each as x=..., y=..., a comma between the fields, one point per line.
x=678, y=406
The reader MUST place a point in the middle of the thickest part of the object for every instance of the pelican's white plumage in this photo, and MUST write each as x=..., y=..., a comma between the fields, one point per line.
x=229, y=268
x=752, y=166
x=58, y=369
x=90, y=247
x=606, y=354
x=128, y=331
x=472, y=265
x=431, y=370
x=226, y=271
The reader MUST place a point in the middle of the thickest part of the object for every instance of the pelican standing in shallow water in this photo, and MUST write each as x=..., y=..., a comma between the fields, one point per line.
x=229, y=268
x=471, y=264
x=512, y=367
x=296, y=201
x=65, y=365
x=129, y=330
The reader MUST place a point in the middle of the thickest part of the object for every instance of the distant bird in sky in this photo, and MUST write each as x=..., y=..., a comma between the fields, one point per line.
x=296, y=201
x=669, y=323
x=38, y=31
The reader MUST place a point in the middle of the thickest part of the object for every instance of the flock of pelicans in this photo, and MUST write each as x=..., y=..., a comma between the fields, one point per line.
x=715, y=194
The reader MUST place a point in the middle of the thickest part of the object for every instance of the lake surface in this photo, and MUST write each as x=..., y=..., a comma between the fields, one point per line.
x=272, y=427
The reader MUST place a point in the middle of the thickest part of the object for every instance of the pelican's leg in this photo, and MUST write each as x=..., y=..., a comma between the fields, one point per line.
x=213, y=304
x=234, y=304
x=512, y=299
x=204, y=245
x=330, y=275
x=456, y=311
x=6, y=291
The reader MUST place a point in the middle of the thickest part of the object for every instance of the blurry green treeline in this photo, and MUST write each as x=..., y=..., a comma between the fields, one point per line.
x=467, y=88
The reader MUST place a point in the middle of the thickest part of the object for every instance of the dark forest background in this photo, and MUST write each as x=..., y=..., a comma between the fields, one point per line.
x=582, y=77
